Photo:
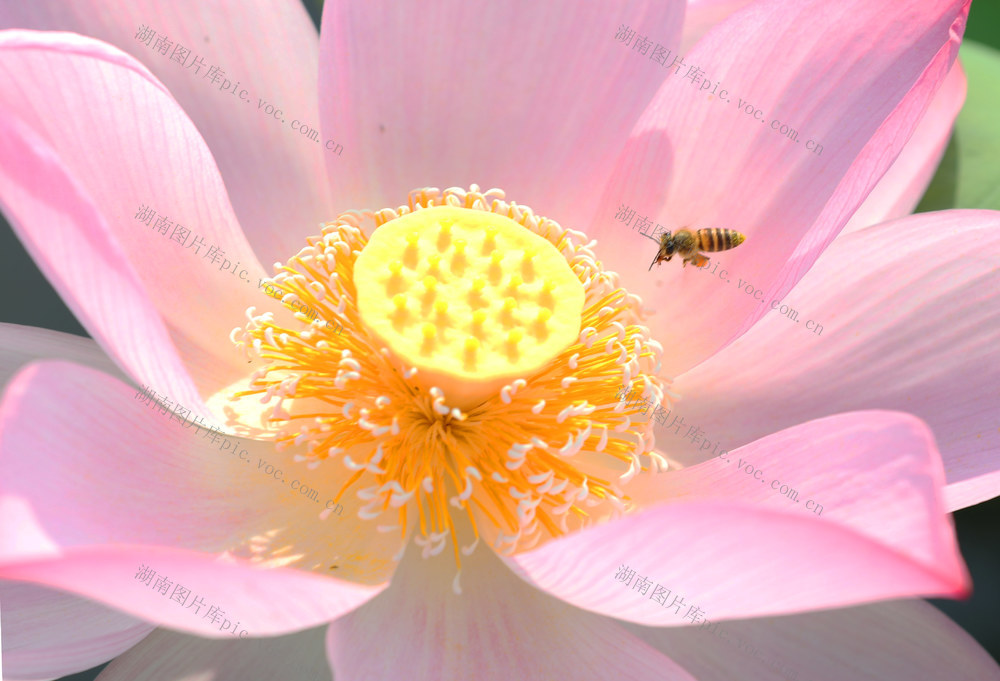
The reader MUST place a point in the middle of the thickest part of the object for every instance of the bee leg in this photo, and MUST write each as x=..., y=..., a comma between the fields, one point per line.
x=699, y=260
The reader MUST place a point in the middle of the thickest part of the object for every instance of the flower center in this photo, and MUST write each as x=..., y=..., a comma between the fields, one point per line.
x=478, y=372
x=472, y=299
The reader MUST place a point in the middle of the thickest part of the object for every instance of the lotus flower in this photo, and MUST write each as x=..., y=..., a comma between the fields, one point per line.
x=508, y=516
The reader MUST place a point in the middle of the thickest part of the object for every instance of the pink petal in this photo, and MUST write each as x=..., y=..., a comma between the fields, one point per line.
x=91, y=136
x=900, y=189
x=703, y=15
x=898, y=641
x=81, y=418
x=78, y=519
x=694, y=161
x=21, y=345
x=94, y=279
x=835, y=467
x=275, y=177
x=534, y=98
x=262, y=602
x=747, y=552
x=907, y=326
x=48, y=634
x=169, y=655
x=497, y=629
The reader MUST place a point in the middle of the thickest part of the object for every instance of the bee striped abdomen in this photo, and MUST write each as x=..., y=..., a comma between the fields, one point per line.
x=717, y=239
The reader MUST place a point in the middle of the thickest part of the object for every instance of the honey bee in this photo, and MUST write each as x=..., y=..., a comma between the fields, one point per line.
x=687, y=244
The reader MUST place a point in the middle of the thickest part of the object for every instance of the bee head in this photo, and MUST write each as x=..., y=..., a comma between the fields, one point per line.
x=667, y=249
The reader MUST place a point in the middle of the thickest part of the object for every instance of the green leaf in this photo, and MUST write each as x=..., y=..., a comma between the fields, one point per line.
x=969, y=174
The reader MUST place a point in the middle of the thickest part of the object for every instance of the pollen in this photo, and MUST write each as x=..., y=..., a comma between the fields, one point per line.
x=480, y=372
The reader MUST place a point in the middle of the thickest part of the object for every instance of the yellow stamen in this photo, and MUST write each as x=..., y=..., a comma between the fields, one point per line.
x=469, y=389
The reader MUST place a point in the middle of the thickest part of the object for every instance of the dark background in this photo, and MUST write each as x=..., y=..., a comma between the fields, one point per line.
x=976, y=526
